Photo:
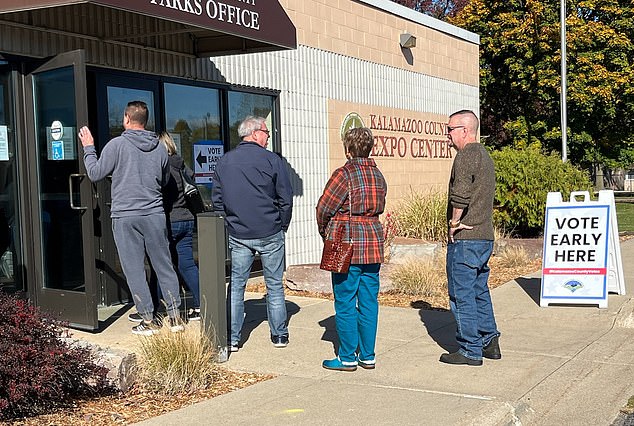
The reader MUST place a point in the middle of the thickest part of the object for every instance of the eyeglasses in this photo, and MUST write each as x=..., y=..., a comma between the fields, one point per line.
x=451, y=129
x=265, y=131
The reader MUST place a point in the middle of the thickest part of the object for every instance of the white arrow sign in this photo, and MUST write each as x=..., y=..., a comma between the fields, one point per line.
x=206, y=155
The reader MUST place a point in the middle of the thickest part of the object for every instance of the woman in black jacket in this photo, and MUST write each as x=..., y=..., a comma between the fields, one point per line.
x=180, y=224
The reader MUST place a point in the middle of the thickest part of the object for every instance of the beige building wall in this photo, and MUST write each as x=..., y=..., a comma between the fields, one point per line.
x=356, y=29
x=411, y=148
x=349, y=60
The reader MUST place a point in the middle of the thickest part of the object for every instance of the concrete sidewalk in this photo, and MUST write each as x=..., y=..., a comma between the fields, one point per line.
x=560, y=366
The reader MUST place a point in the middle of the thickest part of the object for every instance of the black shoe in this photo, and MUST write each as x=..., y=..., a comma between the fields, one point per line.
x=135, y=317
x=492, y=350
x=280, y=341
x=193, y=314
x=147, y=328
x=456, y=358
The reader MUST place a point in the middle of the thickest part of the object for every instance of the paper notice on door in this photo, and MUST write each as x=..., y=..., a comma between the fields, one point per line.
x=4, y=143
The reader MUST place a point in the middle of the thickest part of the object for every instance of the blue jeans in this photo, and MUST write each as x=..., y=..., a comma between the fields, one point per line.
x=182, y=250
x=357, y=311
x=271, y=251
x=469, y=297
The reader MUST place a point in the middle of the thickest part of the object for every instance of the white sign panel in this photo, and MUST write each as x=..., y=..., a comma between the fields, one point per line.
x=578, y=248
x=61, y=142
x=4, y=143
x=206, y=156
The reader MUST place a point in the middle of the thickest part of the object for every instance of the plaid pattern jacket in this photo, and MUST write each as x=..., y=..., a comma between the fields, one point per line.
x=368, y=189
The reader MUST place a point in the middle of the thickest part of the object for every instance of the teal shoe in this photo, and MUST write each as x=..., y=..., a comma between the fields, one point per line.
x=338, y=365
x=367, y=365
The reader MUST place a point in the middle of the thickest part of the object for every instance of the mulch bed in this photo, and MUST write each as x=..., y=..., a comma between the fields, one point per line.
x=138, y=405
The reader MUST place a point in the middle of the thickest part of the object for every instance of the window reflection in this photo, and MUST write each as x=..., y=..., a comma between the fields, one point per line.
x=242, y=105
x=60, y=226
x=192, y=115
x=118, y=98
x=10, y=248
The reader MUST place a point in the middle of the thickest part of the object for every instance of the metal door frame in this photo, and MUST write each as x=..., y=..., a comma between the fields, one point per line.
x=79, y=309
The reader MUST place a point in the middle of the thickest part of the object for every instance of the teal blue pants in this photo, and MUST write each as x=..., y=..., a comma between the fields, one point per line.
x=357, y=311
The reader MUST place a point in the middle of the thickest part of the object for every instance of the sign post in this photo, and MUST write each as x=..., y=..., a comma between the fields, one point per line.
x=582, y=255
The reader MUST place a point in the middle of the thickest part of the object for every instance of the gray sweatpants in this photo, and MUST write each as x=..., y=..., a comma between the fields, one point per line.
x=135, y=236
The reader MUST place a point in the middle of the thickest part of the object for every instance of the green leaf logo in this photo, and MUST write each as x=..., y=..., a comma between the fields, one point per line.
x=352, y=121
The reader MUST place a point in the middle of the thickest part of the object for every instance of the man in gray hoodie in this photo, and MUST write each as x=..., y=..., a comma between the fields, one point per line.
x=139, y=167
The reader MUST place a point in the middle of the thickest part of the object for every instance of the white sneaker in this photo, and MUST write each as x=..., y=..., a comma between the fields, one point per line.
x=176, y=325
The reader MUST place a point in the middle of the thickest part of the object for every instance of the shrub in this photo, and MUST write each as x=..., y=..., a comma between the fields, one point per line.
x=421, y=277
x=524, y=178
x=39, y=370
x=176, y=362
x=422, y=215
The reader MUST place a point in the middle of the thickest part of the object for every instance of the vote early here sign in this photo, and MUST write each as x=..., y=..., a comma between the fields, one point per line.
x=206, y=156
x=575, y=260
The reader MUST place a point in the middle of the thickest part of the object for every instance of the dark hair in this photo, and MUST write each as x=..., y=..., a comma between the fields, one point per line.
x=137, y=112
x=359, y=142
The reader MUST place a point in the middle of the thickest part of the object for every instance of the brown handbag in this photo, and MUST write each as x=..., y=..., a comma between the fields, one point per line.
x=337, y=252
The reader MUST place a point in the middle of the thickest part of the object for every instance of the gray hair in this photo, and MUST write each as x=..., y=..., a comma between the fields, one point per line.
x=250, y=125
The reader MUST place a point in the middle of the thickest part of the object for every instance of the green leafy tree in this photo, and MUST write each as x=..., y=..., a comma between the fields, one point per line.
x=520, y=75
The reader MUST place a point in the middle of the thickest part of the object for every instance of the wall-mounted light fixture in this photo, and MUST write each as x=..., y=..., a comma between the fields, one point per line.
x=407, y=41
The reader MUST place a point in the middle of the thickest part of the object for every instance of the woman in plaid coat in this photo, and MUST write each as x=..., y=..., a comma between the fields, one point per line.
x=358, y=188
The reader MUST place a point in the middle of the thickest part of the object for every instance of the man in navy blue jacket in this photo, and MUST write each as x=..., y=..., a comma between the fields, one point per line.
x=252, y=188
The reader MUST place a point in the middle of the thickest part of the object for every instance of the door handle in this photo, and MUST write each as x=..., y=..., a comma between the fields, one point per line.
x=70, y=190
x=109, y=203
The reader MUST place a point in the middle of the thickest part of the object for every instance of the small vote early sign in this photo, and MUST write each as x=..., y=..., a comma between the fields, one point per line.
x=578, y=251
x=206, y=156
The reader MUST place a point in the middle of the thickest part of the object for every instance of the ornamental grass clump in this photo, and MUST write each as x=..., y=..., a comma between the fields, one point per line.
x=41, y=370
x=173, y=363
x=422, y=215
x=513, y=257
x=421, y=277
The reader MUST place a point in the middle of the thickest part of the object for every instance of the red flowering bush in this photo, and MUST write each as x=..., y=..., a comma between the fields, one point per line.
x=39, y=370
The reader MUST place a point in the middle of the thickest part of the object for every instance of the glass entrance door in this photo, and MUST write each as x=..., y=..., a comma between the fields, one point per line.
x=11, y=277
x=63, y=202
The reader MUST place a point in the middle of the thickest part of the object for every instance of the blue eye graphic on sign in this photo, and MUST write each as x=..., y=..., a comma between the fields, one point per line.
x=573, y=285
x=206, y=156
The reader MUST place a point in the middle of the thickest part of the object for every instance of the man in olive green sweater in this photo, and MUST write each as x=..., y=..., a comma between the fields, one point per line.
x=469, y=212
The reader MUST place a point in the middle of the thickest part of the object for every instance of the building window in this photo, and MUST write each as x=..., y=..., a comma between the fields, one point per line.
x=118, y=98
x=242, y=105
x=192, y=117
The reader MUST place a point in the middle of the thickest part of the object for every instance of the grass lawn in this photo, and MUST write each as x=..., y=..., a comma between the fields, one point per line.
x=625, y=216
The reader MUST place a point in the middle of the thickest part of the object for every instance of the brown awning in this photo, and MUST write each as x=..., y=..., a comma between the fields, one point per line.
x=198, y=27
